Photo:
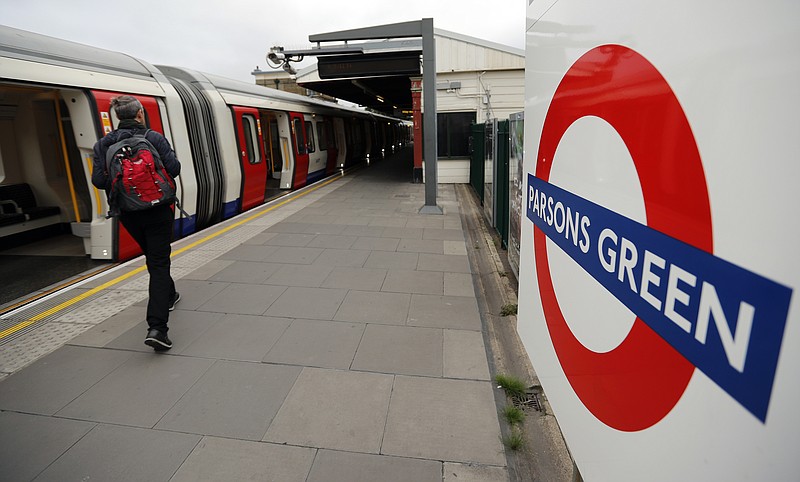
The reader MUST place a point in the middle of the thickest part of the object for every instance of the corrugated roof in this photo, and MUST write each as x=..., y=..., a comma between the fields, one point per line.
x=477, y=41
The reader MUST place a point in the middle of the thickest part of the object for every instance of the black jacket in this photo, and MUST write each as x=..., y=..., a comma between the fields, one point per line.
x=126, y=129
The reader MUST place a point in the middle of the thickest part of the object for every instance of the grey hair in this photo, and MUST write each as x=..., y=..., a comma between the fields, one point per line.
x=126, y=106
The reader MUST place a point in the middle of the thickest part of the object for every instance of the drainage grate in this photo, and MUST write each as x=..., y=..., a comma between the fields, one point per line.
x=529, y=401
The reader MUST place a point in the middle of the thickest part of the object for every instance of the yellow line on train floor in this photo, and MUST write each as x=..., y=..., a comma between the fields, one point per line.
x=108, y=284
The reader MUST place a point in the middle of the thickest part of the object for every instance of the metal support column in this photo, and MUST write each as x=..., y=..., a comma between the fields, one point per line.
x=429, y=115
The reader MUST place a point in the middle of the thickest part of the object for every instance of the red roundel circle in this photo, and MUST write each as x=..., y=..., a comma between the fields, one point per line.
x=636, y=384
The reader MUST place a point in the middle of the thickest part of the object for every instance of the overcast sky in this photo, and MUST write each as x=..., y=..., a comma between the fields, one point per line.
x=231, y=37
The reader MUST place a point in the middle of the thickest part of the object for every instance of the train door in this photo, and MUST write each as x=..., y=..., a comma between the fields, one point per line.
x=124, y=247
x=273, y=152
x=254, y=170
x=41, y=160
x=317, y=156
x=328, y=139
x=341, y=141
x=300, y=145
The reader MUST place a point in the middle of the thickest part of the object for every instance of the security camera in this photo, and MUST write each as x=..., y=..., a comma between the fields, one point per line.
x=276, y=57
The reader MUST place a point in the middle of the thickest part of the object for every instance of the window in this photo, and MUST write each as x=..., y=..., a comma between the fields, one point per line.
x=250, y=137
x=453, y=131
x=310, y=136
x=299, y=145
x=322, y=135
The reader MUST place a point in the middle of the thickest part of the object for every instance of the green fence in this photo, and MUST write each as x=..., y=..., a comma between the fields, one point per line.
x=496, y=164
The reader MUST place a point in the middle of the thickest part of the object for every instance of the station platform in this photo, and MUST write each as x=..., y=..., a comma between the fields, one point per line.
x=331, y=335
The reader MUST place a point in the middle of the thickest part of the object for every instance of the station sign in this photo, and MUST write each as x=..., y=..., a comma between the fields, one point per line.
x=368, y=65
x=700, y=384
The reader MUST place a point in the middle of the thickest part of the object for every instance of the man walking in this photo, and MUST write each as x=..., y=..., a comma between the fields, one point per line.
x=150, y=228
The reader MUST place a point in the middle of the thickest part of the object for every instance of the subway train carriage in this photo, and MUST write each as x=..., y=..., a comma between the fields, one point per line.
x=239, y=144
x=659, y=235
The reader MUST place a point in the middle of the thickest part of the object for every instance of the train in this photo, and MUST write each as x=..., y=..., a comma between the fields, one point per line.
x=239, y=144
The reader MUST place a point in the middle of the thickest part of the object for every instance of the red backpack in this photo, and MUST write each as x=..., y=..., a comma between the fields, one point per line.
x=138, y=178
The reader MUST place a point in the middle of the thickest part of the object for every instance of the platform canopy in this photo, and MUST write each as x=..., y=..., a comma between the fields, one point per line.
x=363, y=70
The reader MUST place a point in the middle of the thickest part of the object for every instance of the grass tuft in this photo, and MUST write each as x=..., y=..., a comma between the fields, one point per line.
x=513, y=386
x=514, y=441
x=513, y=415
x=509, y=309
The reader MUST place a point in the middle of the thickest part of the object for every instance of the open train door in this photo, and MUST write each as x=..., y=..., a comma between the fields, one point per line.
x=300, y=144
x=251, y=156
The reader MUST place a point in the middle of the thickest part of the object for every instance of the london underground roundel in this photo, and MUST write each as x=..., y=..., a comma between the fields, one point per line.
x=694, y=310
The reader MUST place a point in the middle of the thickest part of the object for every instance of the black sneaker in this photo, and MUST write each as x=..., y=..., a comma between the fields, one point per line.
x=158, y=340
x=175, y=301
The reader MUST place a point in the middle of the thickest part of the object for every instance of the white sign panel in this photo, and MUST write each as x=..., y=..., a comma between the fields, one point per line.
x=659, y=231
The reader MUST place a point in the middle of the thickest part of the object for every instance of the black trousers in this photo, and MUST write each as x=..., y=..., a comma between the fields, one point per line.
x=152, y=230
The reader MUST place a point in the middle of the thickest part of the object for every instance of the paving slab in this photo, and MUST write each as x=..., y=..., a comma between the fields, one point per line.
x=315, y=343
x=248, y=252
x=374, y=307
x=293, y=255
x=432, y=246
x=458, y=284
x=457, y=312
x=400, y=349
x=232, y=399
x=455, y=247
x=288, y=239
x=333, y=466
x=238, y=337
x=194, y=292
x=254, y=272
x=403, y=233
x=310, y=276
x=184, y=328
x=442, y=419
x=443, y=234
x=420, y=282
x=260, y=239
x=333, y=241
x=376, y=244
x=364, y=279
x=109, y=329
x=465, y=355
x=215, y=459
x=117, y=453
x=391, y=260
x=50, y=383
x=139, y=392
x=343, y=257
x=334, y=409
x=244, y=299
x=443, y=262
x=30, y=443
x=209, y=269
x=314, y=303
x=359, y=229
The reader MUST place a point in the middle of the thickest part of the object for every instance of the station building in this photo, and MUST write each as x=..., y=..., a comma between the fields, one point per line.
x=477, y=80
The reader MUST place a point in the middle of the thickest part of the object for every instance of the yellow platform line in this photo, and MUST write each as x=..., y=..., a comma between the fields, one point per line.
x=93, y=291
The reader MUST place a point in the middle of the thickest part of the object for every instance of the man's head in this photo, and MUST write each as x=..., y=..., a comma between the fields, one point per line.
x=127, y=107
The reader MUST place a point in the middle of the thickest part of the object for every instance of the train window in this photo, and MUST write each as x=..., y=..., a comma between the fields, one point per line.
x=322, y=135
x=310, y=136
x=297, y=127
x=250, y=137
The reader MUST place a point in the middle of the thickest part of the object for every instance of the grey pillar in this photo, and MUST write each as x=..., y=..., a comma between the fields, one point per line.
x=429, y=115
